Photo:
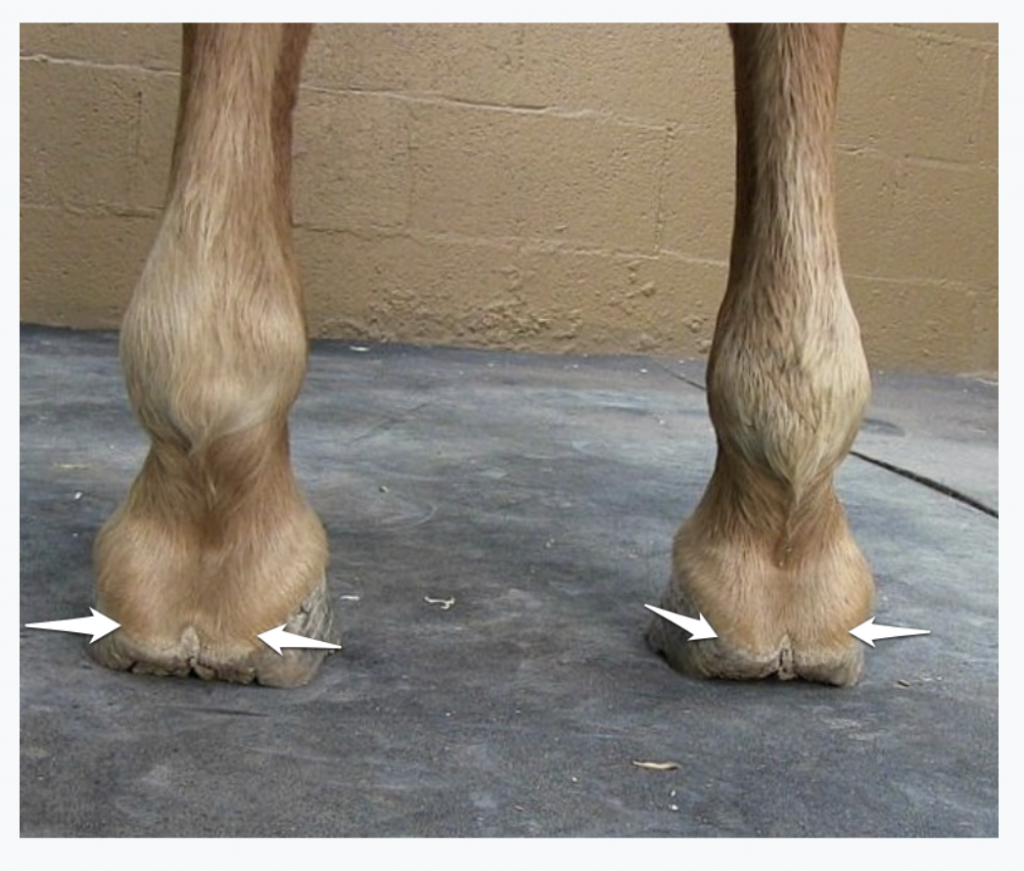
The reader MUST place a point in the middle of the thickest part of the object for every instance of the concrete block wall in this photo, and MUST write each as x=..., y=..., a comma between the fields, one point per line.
x=562, y=188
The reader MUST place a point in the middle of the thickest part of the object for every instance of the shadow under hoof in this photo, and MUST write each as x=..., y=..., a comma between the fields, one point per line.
x=196, y=652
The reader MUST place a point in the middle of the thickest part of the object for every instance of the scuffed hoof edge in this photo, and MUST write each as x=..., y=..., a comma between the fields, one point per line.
x=257, y=663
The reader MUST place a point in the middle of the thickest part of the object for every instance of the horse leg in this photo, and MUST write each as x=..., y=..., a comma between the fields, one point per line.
x=767, y=556
x=215, y=542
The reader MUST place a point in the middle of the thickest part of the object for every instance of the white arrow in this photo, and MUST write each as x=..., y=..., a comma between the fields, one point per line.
x=869, y=633
x=699, y=629
x=278, y=638
x=97, y=625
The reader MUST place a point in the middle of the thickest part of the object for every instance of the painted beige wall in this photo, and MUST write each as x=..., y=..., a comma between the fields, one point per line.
x=536, y=187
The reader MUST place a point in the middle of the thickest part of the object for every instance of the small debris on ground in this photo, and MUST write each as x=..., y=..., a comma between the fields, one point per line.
x=916, y=681
x=444, y=603
x=656, y=766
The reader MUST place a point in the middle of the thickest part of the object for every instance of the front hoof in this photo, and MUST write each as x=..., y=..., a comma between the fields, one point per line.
x=240, y=657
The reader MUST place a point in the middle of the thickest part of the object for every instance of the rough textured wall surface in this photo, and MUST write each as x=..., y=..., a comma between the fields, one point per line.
x=558, y=188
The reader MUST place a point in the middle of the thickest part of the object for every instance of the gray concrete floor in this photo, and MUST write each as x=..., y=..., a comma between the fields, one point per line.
x=541, y=495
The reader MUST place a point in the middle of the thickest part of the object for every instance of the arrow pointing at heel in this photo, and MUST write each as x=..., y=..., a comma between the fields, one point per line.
x=277, y=638
x=97, y=625
x=869, y=633
x=699, y=629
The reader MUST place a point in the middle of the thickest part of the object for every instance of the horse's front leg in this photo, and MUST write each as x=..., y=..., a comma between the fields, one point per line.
x=215, y=543
x=768, y=557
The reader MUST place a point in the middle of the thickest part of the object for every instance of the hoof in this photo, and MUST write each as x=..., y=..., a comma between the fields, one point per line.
x=240, y=658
